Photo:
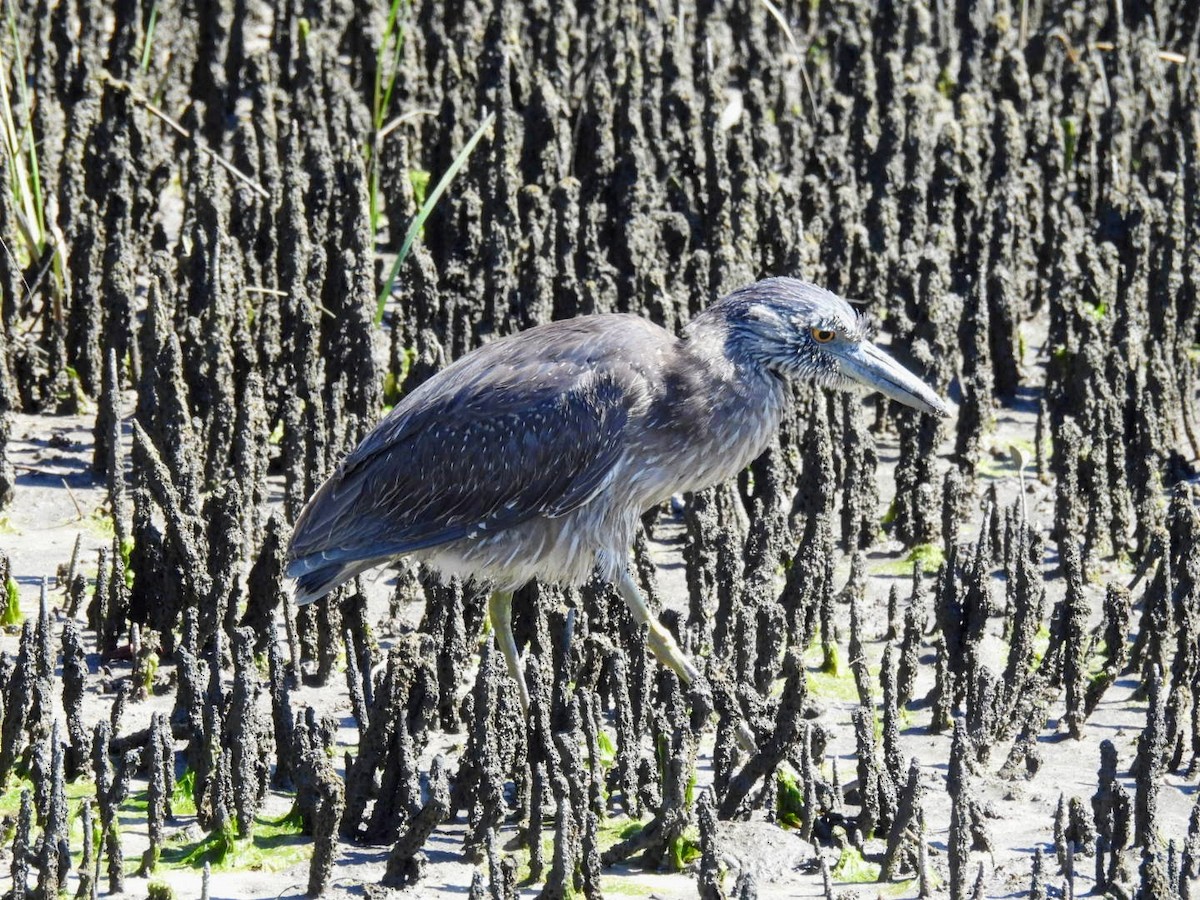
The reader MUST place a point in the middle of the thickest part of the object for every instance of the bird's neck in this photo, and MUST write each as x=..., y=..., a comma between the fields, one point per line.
x=731, y=352
x=751, y=342
x=742, y=403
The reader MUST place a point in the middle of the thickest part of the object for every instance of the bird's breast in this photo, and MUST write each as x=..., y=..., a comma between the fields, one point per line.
x=707, y=444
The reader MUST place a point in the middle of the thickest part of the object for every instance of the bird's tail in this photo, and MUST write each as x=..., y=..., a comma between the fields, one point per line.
x=313, y=580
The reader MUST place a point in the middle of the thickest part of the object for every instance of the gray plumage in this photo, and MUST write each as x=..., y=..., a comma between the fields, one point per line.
x=535, y=455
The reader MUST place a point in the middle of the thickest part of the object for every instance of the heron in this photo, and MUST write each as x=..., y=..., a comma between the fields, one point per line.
x=536, y=455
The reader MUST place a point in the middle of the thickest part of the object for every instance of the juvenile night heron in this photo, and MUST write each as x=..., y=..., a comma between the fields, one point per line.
x=535, y=456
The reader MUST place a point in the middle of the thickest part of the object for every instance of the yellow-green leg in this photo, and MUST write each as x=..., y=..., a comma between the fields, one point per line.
x=500, y=613
x=660, y=640
x=663, y=645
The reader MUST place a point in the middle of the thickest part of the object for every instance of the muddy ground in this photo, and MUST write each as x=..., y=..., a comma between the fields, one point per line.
x=205, y=202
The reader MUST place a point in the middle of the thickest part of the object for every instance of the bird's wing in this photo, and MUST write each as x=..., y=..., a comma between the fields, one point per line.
x=483, y=447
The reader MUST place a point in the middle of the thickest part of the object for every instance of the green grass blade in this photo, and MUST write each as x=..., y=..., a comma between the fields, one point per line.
x=35, y=178
x=148, y=43
x=393, y=39
x=431, y=200
x=397, y=41
x=387, y=73
x=24, y=175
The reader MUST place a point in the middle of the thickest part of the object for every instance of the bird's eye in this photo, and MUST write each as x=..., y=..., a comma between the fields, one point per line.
x=821, y=335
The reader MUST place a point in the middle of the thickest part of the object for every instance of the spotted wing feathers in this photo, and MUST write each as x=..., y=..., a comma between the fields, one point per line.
x=487, y=444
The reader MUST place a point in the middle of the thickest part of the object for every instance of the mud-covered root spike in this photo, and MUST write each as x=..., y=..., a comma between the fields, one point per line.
x=855, y=646
x=905, y=843
x=978, y=892
x=8, y=475
x=871, y=816
x=910, y=647
x=20, y=685
x=319, y=795
x=448, y=617
x=42, y=713
x=406, y=862
x=75, y=680
x=789, y=728
x=156, y=794
x=213, y=789
x=893, y=614
x=1154, y=877
x=576, y=850
x=360, y=661
x=480, y=778
x=87, y=863
x=826, y=877
x=941, y=695
x=107, y=802
x=246, y=733
x=564, y=862
x=893, y=761
x=55, y=857
x=960, y=813
x=266, y=590
x=22, y=846
x=1149, y=765
x=708, y=874
x=385, y=767
x=1060, y=831
x=699, y=558
x=1118, y=608
x=283, y=721
x=1105, y=812
x=1037, y=876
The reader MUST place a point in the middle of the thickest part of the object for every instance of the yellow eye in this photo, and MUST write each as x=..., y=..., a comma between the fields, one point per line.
x=821, y=336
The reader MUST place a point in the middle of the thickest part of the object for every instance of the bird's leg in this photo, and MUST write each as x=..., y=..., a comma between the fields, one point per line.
x=660, y=640
x=667, y=651
x=500, y=613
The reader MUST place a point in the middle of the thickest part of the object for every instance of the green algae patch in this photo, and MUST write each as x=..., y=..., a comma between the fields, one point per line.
x=608, y=750
x=275, y=845
x=624, y=886
x=524, y=873
x=831, y=660
x=101, y=523
x=183, y=801
x=10, y=800
x=18, y=781
x=613, y=831
x=828, y=676
x=684, y=849
x=218, y=849
x=890, y=516
x=789, y=801
x=1041, y=643
x=80, y=788
x=681, y=851
x=928, y=556
x=898, y=889
x=832, y=687
x=993, y=469
x=853, y=869
x=11, y=615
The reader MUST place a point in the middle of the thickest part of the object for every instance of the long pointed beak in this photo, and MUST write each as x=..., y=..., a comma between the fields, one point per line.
x=871, y=367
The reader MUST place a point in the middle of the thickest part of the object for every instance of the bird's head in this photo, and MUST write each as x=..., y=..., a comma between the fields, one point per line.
x=805, y=333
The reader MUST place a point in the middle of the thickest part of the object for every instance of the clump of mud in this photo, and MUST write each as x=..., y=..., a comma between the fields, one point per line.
x=1011, y=190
